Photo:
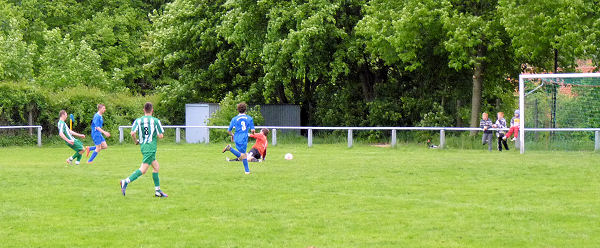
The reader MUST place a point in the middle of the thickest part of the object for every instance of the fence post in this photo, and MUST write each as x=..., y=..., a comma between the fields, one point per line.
x=349, y=138
x=120, y=135
x=207, y=140
x=177, y=135
x=393, y=137
x=442, y=138
x=309, y=137
x=274, y=137
x=39, y=129
x=597, y=141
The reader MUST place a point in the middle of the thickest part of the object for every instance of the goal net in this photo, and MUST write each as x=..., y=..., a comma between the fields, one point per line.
x=561, y=111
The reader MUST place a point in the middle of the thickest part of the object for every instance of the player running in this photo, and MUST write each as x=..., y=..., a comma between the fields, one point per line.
x=97, y=133
x=258, y=152
x=67, y=134
x=148, y=128
x=242, y=123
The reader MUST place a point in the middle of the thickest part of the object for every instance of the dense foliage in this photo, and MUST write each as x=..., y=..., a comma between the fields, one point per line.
x=349, y=62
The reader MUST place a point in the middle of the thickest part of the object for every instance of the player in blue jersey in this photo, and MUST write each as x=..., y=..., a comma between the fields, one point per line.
x=242, y=124
x=97, y=133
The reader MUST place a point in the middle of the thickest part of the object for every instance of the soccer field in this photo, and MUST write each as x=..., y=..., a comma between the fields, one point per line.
x=328, y=196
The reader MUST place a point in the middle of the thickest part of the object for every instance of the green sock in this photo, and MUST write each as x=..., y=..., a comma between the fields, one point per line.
x=155, y=178
x=74, y=156
x=137, y=173
x=78, y=157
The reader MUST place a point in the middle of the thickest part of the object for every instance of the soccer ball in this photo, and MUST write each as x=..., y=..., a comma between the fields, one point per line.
x=288, y=156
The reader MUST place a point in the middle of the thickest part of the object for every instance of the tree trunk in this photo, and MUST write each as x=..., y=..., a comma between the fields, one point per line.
x=367, y=80
x=459, y=122
x=281, y=93
x=30, y=118
x=477, y=88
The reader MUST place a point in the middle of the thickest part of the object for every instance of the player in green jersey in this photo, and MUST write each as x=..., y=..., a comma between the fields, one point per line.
x=67, y=134
x=148, y=129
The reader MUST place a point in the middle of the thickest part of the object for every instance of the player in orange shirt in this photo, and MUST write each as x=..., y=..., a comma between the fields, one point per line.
x=259, y=149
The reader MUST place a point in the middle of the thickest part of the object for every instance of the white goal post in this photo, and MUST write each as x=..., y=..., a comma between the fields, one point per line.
x=522, y=79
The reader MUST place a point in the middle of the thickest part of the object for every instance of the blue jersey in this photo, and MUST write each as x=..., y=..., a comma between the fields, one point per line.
x=98, y=121
x=242, y=124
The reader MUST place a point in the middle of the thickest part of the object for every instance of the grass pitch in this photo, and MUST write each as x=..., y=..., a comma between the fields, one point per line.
x=328, y=196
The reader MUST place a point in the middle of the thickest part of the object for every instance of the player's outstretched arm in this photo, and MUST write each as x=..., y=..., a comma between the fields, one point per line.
x=107, y=134
x=77, y=134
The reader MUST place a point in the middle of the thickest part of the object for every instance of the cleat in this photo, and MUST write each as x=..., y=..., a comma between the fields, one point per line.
x=513, y=139
x=69, y=161
x=227, y=147
x=87, y=151
x=88, y=162
x=123, y=184
x=159, y=193
x=76, y=162
x=247, y=173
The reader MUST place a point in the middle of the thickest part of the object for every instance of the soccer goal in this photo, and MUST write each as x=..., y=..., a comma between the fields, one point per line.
x=559, y=111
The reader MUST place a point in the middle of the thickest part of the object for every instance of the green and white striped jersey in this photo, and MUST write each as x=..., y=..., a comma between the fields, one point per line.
x=147, y=129
x=64, y=129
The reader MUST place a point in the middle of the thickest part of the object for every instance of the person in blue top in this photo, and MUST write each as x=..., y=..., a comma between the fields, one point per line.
x=97, y=133
x=242, y=124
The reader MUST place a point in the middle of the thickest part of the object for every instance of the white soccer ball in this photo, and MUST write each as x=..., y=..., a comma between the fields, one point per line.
x=288, y=156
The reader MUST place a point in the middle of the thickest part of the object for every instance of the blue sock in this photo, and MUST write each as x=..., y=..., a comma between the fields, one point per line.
x=245, y=161
x=92, y=148
x=93, y=156
x=235, y=152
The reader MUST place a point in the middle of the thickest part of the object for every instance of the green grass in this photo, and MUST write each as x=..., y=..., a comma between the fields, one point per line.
x=328, y=196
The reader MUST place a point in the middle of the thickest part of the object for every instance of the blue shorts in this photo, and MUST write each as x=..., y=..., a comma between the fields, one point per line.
x=98, y=139
x=241, y=147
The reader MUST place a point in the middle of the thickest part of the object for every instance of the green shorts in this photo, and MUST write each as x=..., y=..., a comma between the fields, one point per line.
x=77, y=145
x=149, y=157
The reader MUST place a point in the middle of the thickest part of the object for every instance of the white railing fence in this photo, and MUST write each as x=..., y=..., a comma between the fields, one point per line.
x=39, y=131
x=393, y=140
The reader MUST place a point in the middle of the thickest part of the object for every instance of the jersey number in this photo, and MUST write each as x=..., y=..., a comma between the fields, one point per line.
x=243, y=126
x=145, y=130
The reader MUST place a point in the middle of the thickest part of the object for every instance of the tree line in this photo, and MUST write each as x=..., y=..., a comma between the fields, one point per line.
x=346, y=63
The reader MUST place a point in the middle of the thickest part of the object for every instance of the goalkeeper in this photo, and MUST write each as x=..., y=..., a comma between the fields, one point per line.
x=258, y=152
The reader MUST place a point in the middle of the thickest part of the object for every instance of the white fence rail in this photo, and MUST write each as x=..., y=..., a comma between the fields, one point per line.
x=393, y=140
x=39, y=131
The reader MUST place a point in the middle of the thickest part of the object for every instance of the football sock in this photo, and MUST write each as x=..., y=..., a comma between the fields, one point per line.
x=245, y=161
x=235, y=152
x=92, y=148
x=137, y=173
x=93, y=156
x=74, y=155
x=155, y=178
x=78, y=157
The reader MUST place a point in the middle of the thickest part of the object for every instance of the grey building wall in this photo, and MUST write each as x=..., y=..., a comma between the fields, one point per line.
x=197, y=115
x=281, y=115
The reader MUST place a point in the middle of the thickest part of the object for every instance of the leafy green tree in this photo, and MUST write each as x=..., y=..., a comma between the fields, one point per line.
x=543, y=30
x=64, y=63
x=16, y=56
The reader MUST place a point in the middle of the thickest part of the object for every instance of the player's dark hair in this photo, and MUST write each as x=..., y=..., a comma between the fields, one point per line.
x=61, y=113
x=100, y=106
x=265, y=131
x=241, y=107
x=148, y=107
